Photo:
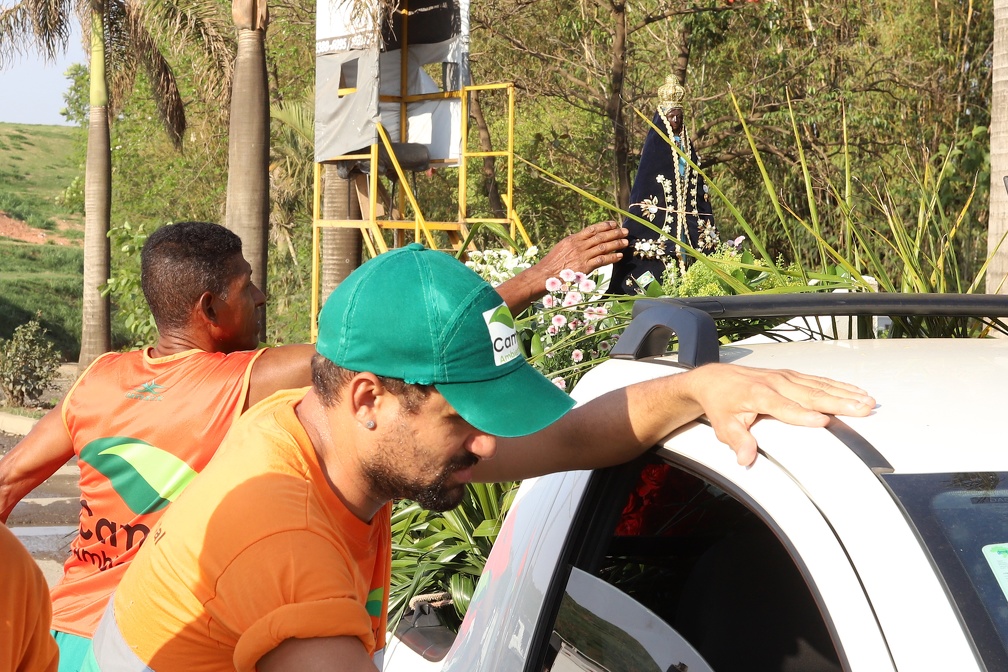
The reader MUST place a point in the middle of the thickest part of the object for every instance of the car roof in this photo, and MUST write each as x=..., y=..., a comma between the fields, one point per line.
x=940, y=401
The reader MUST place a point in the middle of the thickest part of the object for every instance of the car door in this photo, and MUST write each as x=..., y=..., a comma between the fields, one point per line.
x=671, y=565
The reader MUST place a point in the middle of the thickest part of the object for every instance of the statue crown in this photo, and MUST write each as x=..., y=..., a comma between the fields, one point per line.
x=672, y=94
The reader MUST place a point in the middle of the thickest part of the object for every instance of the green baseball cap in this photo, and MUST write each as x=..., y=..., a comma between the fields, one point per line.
x=421, y=316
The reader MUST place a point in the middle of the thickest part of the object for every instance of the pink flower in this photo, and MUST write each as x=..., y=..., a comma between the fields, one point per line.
x=552, y=330
x=572, y=299
x=577, y=356
x=567, y=275
x=590, y=329
x=579, y=277
x=549, y=301
x=559, y=320
x=553, y=285
x=604, y=346
x=587, y=285
x=560, y=382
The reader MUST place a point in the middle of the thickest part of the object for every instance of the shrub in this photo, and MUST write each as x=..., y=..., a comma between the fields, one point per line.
x=28, y=364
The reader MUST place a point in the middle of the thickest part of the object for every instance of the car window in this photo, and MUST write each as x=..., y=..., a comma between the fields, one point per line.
x=599, y=627
x=962, y=519
x=705, y=569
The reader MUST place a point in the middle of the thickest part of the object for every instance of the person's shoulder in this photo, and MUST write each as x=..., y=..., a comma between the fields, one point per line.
x=17, y=562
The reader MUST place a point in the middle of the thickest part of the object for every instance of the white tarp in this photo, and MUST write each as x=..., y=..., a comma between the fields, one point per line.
x=353, y=42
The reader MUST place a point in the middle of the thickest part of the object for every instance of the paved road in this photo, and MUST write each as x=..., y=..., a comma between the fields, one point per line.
x=46, y=519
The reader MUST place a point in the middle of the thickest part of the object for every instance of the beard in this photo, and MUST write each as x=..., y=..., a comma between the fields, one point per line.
x=434, y=493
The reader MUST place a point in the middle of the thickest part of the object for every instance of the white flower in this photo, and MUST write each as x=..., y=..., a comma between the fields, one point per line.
x=559, y=321
x=553, y=285
x=587, y=285
x=549, y=301
x=567, y=275
x=604, y=346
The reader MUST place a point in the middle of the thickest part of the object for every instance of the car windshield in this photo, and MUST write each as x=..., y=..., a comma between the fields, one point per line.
x=963, y=520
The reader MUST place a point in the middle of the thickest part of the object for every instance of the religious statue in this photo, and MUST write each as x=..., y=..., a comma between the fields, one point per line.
x=672, y=195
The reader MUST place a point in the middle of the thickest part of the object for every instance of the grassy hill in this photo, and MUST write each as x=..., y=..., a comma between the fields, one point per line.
x=37, y=164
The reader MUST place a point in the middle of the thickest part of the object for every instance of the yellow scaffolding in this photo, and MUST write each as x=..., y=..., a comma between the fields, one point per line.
x=374, y=225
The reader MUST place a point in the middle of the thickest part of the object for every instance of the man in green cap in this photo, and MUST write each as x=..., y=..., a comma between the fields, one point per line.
x=278, y=555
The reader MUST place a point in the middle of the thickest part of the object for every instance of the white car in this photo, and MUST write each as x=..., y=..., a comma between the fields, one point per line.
x=874, y=544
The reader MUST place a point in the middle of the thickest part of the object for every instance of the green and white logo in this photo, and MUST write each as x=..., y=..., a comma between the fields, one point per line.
x=149, y=391
x=145, y=476
x=503, y=337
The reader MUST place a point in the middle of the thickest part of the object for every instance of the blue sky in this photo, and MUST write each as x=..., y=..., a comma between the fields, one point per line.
x=31, y=90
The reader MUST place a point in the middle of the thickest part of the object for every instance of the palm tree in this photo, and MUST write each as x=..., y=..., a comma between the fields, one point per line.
x=998, y=222
x=121, y=42
x=291, y=188
x=247, y=208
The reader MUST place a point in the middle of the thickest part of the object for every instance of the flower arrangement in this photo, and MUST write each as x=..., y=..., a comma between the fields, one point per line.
x=498, y=266
x=730, y=258
x=572, y=327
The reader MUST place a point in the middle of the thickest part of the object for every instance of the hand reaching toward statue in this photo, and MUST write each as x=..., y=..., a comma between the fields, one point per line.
x=589, y=249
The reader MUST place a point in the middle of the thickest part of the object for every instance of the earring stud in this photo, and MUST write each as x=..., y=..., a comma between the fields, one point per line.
x=370, y=424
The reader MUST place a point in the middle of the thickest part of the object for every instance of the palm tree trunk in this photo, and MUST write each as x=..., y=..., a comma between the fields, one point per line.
x=247, y=207
x=998, y=219
x=341, y=248
x=96, y=335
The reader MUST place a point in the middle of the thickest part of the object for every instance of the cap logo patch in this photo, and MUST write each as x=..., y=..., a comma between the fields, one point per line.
x=503, y=337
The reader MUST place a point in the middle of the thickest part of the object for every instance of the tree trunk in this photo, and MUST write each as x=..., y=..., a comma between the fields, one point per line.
x=614, y=107
x=96, y=333
x=341, y=248
x=998, y=221
x=682, y=58
x=247, y=208
x=489, y=167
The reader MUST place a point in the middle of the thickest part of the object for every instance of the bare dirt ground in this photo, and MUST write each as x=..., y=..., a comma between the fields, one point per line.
x=18, y=230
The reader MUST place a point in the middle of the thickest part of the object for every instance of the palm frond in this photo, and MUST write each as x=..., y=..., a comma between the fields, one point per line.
x=171, y=110
x=202, y=30
x=34, y=26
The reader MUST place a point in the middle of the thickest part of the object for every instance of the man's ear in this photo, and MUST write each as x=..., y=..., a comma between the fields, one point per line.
x=366, y=396
x=205, y=308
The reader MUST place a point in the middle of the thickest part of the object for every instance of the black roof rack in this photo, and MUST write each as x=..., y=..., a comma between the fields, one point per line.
x=691, y=319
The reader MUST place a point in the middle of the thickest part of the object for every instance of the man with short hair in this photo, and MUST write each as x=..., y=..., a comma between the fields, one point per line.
x=278, y=556
x=143, y=423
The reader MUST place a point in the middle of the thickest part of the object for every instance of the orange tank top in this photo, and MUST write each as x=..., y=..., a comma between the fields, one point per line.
x=142, y=428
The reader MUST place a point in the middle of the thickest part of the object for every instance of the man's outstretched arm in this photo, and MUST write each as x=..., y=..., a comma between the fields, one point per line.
x=36, y=457
x=590, y=248
x=620, y=425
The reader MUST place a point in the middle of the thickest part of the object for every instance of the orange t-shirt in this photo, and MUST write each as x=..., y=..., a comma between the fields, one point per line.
x=25, y=642
x=142, y=428
x=258, y=550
